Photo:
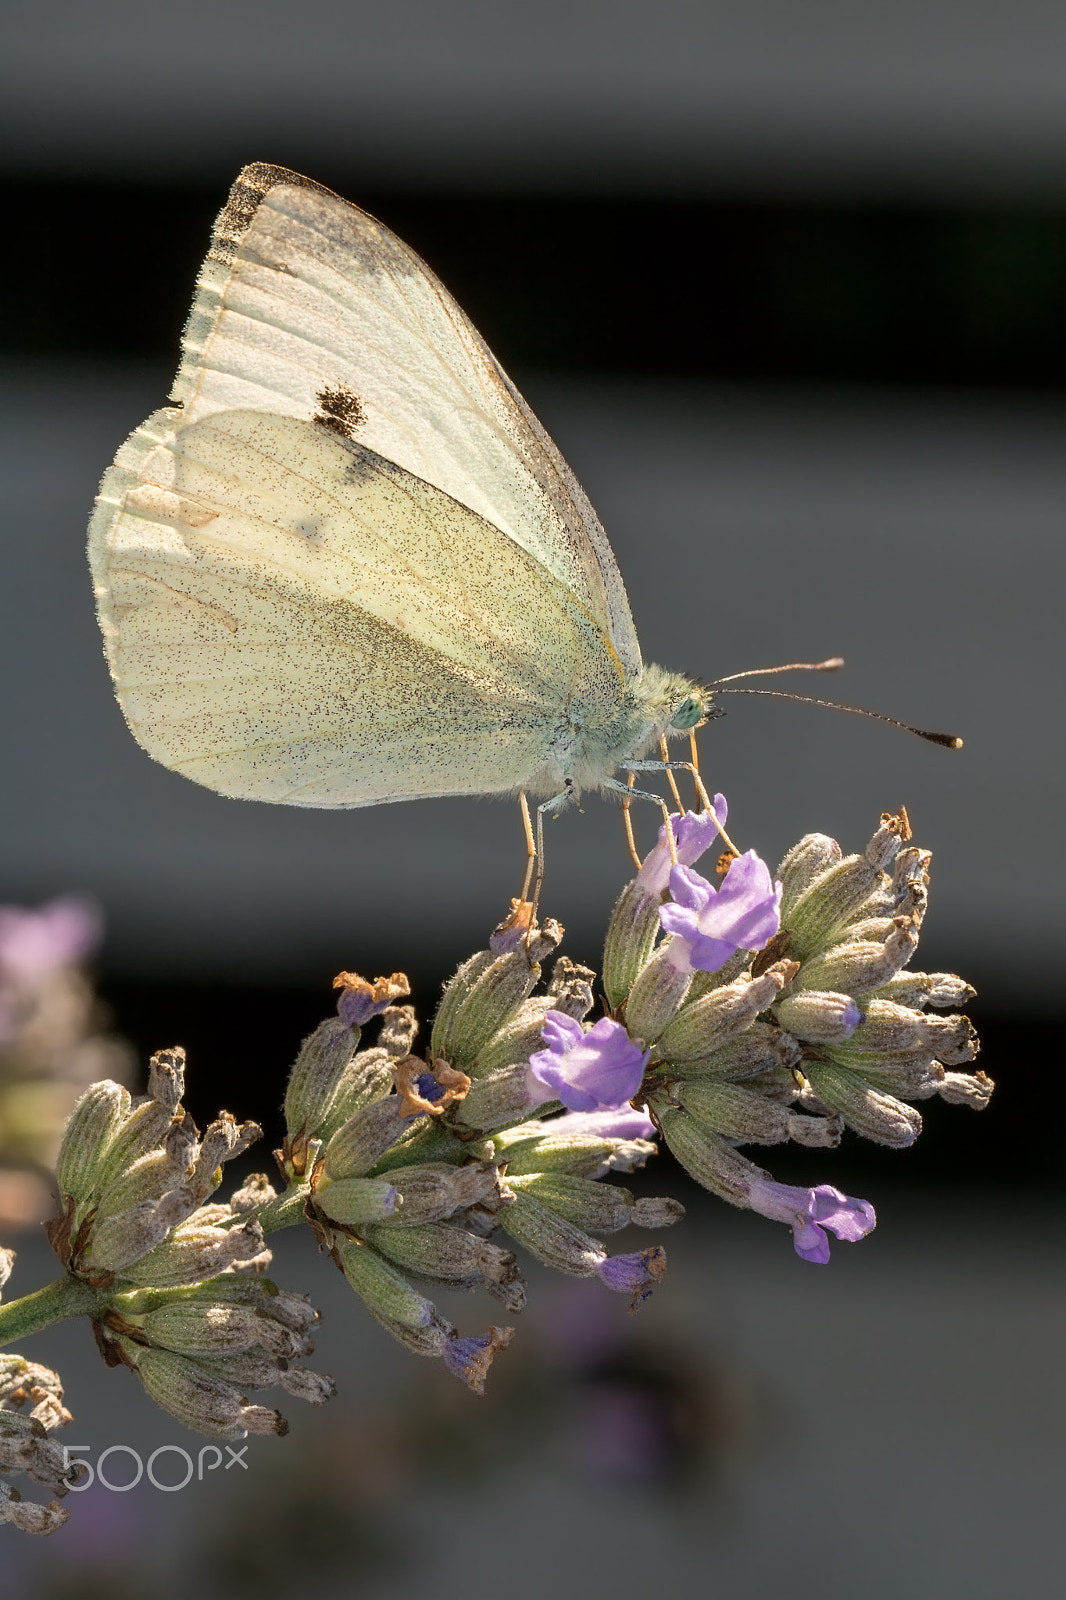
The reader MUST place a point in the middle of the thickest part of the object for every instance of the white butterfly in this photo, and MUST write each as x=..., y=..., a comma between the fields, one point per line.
x=347, y=565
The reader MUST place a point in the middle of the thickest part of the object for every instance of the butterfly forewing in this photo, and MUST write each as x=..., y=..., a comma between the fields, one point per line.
x=309, y=307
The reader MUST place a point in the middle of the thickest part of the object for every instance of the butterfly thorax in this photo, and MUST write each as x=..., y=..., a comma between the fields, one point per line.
x=592, y=744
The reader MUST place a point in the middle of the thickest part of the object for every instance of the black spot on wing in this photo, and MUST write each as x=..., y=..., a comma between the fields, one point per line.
x=339, y=410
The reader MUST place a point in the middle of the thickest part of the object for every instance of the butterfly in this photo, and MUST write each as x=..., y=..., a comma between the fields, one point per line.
x=346, y=564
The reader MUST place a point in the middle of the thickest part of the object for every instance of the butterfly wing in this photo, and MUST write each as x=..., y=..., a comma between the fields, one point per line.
x=306, y=306
x=290, y=617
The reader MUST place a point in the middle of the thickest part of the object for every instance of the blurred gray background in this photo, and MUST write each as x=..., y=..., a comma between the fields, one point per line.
x=787, y=283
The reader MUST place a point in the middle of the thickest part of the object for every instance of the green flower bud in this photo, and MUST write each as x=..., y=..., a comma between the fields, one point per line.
x=914, y=1078
x=147, y=1179
x=198, y=1249
x=707, y=1024
x=116, y=1242
x=550, y=1237
x=431, y=1192
x=406, y=1314
x=706, y=1156
x=364, y=1138
x=501, y=1097
x=751, y=1118
x=818, y=1015
x=602, y=1207
x=204, y=1327
x=514, y=1043
x=862, y=966
x=866, y=1111
x=760, y=1048
x=830, y=899
x=890, y=1027
x=144, y=1130
x=367, y=1077
x=430, y=1140
x=531, y=1147
x=95, y=1120
x=355, y=1201
x=453, y=1257
x=480, y=999
x=918, y=989
x=316, y=1076
x=656, y=993
x=194, y=1395
x=631, y=935
x=814, y=854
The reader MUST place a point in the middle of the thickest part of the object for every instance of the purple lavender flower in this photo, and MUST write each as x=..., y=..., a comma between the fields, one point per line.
x=59, y=934
x=625, y=1123
x=693, y=834
x=852, y=1016
x=810, y=1212
x=361, y=1000
x=471, y=1358
x=595, y=1071
x=635, y=1274
x=709, y=924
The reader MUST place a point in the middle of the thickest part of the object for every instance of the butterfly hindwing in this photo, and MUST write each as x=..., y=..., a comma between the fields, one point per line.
x=289, y=617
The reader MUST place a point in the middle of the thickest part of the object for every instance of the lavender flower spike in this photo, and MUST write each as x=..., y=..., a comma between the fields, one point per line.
x=595, y=1071
x=810, y=1212
x=709, y=924
x=693, y=834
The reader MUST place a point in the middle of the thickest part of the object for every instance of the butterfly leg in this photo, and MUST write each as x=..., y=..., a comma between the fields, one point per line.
x=550, y=808
x=629, y=793
x=627, y=817
x=671, y=780
x=531, y=849
x=678, y=766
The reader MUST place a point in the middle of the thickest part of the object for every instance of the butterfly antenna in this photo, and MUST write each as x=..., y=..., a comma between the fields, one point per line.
x=793, y=666
x=950, y=741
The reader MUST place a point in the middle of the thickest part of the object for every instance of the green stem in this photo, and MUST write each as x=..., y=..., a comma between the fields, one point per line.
x=67, y=1297
x=287, y=1210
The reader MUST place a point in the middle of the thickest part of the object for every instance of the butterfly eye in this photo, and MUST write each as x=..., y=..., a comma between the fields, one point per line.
x=687, y=714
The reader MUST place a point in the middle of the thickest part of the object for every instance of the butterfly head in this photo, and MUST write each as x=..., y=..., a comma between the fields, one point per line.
x=693, y=710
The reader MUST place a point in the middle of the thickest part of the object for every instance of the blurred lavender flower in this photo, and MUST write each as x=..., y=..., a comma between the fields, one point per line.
x=810, y=1212
x=33, y=944
x=709, y=925
x=595, y=1071
x=51, y=1044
